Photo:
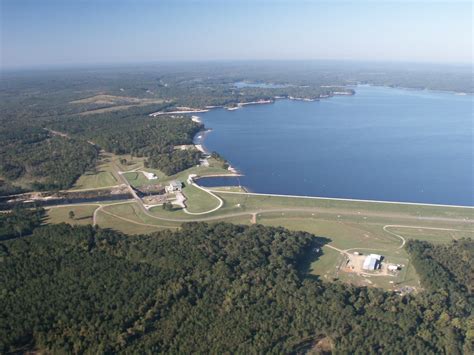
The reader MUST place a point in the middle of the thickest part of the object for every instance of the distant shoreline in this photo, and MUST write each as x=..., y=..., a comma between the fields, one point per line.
x=454, y=92
x=203, y=138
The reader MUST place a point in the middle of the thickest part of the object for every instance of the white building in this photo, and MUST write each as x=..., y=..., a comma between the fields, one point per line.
x=150, y=176
x=393, y=267
x=372, y=262
x=191, y=177
x=174, y=186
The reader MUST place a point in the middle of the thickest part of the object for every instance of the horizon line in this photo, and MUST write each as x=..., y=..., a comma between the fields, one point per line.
x=83, y=65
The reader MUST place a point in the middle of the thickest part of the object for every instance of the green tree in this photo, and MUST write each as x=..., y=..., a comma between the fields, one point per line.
x=167, y=206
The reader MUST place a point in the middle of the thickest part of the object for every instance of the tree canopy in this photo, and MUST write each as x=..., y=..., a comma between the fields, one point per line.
x=207, y=289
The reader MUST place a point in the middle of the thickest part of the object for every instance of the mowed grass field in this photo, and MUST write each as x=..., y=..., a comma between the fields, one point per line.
x=82, y=214
x=104, y=174
x=137, y=179
x=105, y=220
x=197, y=200
x=129, y=218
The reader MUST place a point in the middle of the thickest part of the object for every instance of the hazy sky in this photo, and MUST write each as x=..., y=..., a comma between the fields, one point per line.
x=64, y=32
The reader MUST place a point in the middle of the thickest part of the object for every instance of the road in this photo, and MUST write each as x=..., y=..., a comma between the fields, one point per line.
x=282, y=210
x=221, y=202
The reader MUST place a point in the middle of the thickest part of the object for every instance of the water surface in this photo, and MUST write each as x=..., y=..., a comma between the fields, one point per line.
x=246, y=84
x=380, y=144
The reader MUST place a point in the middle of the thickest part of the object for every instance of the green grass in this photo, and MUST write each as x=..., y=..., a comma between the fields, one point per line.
x=228, y=188
x=137, y=180
x=107, y=221
x=104, y=174
x=198, y=200
x=130, y=164
x=82, y=214
x=95, y=179
x=237, y=220
x=325, y=265
x=430, y=235
x=375, y=209
x=365, y=237
x=133, y=212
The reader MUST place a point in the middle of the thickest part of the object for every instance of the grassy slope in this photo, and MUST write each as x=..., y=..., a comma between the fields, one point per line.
x=198, y=200
x=104, y=174
x=82, y=214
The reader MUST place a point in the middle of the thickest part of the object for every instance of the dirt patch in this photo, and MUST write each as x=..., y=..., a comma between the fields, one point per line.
x=322, y=346
x=103, y=99
x=112, y=103
x=354, y=264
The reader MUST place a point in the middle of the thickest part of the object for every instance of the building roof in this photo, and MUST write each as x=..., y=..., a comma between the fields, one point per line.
x=176, y=183
x=150, y=176
x=376, y=256
x=370, y=262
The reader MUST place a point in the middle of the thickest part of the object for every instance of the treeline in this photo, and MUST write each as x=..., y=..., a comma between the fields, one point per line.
x=41, y=160
x=216, y=288
x=172, y=161
x=131, y=131
x=447, y=267
x=19, y=222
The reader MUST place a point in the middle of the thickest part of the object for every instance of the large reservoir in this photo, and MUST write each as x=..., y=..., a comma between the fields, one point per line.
x=380, y=144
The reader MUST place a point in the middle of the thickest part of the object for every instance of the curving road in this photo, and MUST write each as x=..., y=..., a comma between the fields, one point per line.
x=221, y=202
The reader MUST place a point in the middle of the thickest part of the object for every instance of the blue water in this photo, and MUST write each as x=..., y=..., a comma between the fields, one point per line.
x=380, y=144
x=245, y=84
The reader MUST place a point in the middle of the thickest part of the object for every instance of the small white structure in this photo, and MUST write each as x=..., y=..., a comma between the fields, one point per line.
x=174, y=186
x=392, y=267
x=191, y=177
x=372, y=262
x=150, y=176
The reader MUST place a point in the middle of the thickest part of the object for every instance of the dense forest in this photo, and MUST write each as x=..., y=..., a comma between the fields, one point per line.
x=172, y=161
x=19, y=222
x=131, y=131
x=43, y=160
x=54, y=156
x=214, y=289
x=445, y=267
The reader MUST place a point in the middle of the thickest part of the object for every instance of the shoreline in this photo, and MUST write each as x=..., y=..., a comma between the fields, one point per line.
x=162, y=113
x=250, y=192
x=453, y=92
x=339, y=198
x=344, y=199
x=198, y=140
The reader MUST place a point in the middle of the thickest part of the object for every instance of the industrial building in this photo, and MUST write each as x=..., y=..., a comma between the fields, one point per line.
x=372, y=262
x=174, y=186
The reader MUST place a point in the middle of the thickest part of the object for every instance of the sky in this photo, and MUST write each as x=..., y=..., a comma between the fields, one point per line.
x=37, y=33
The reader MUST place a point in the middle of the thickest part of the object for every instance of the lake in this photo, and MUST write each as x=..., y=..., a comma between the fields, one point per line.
x=245, y=84
x=380, y=144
